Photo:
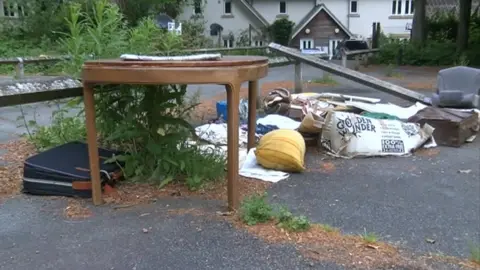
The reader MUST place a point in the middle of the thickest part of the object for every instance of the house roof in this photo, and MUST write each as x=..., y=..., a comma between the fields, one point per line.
x=255, y=12
x=312, y=13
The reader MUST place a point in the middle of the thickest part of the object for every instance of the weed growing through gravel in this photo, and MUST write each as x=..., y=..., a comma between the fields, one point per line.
x=475, y=253
x=288, y=221
x=369, y=237
x=325, y=79
x=255, y=209
x=328, y=228
x=390, y=72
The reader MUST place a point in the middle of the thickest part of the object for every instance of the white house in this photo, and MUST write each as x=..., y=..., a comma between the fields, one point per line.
x=318, y=23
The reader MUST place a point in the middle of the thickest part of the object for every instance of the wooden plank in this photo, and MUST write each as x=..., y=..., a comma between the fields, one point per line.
x=360, y=52
x=25, y=91
x=49, y=59
x=355, y=76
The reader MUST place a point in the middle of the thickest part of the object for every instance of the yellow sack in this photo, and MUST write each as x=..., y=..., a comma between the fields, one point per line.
x=282, y=150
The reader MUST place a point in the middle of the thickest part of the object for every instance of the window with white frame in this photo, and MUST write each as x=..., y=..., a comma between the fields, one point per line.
x=283, y=7
x=402, y=7
x=258, y=43
x=12, y=9
x=306, y=43
x=227, y=8
x=228, y=43
x=197, y=7
x=353, y=6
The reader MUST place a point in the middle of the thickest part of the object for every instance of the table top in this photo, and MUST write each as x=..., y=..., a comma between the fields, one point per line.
x=225, y=61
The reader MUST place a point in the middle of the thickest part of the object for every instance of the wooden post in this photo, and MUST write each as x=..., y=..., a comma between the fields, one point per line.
x=357, y=62
x=352, y=75
x=377, y=35
x=89, y=101
x=298, y=77
x=233, y=100
x=20, y=72
x=344, y=59
x=252, y=112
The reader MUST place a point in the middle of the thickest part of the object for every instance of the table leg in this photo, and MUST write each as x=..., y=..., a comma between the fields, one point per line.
x=233, y=100
x=89, y=102
x=252, y=112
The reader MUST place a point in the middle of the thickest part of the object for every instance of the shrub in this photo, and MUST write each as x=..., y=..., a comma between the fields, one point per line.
x=147, y=122
x=288, y=221
x=281, y=30
x=255, y=209
x=440, y=48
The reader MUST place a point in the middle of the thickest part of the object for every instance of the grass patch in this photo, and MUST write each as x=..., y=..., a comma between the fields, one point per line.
x=288, y=221
x=369, y=237
x=475, y=253
x=255, y=209
x=391, y=73
x=328, y=228
x=325, y=79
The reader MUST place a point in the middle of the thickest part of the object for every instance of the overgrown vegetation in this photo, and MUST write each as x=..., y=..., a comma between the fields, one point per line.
x=292, y=223
x=255, y=209
x=475, y=253
x=280, y=31
x=149, y=123
x=440, y=47
x=369, y=237
x=326, y=78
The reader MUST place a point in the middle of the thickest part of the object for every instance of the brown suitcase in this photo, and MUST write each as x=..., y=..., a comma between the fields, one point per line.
x=452, y=127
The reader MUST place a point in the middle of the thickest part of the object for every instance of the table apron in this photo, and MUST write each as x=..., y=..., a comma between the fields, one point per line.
x=118, y=75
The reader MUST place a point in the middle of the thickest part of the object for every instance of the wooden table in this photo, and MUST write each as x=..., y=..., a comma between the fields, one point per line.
x=230, y=71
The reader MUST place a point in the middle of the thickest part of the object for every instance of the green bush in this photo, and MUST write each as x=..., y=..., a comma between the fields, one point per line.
x=440, y=48
x=255, y=209
x=147, y=122
x=281, y=30
x=288, y=221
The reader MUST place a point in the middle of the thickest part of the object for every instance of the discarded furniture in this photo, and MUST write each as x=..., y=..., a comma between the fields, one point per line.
x=452, y=127
x=63, y=171
x=230, y=71
x=458, y=87
x=347, y=73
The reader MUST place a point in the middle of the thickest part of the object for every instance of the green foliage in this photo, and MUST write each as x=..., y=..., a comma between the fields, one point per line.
x=326, y=79
x=281, y=30
x=43, y=19
x=62, y=130
x=147, y=122
x=328, y=228
x=434, y=53
x=475, y=253
x=369, y=237
x=288, y=221
x=193, y=33
x=255, y=209
x=440, y=48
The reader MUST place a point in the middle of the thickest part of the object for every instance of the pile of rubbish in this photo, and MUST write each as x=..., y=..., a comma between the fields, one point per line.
x=343, y=126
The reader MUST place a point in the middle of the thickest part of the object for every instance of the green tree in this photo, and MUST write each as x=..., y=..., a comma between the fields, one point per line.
x=281, y=30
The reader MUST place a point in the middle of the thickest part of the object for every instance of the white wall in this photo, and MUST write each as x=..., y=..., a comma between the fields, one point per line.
x=296, y=9
x=213, y=12
x=369, y=11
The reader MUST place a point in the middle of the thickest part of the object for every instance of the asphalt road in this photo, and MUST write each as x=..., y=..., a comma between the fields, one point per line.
x=405, y=200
